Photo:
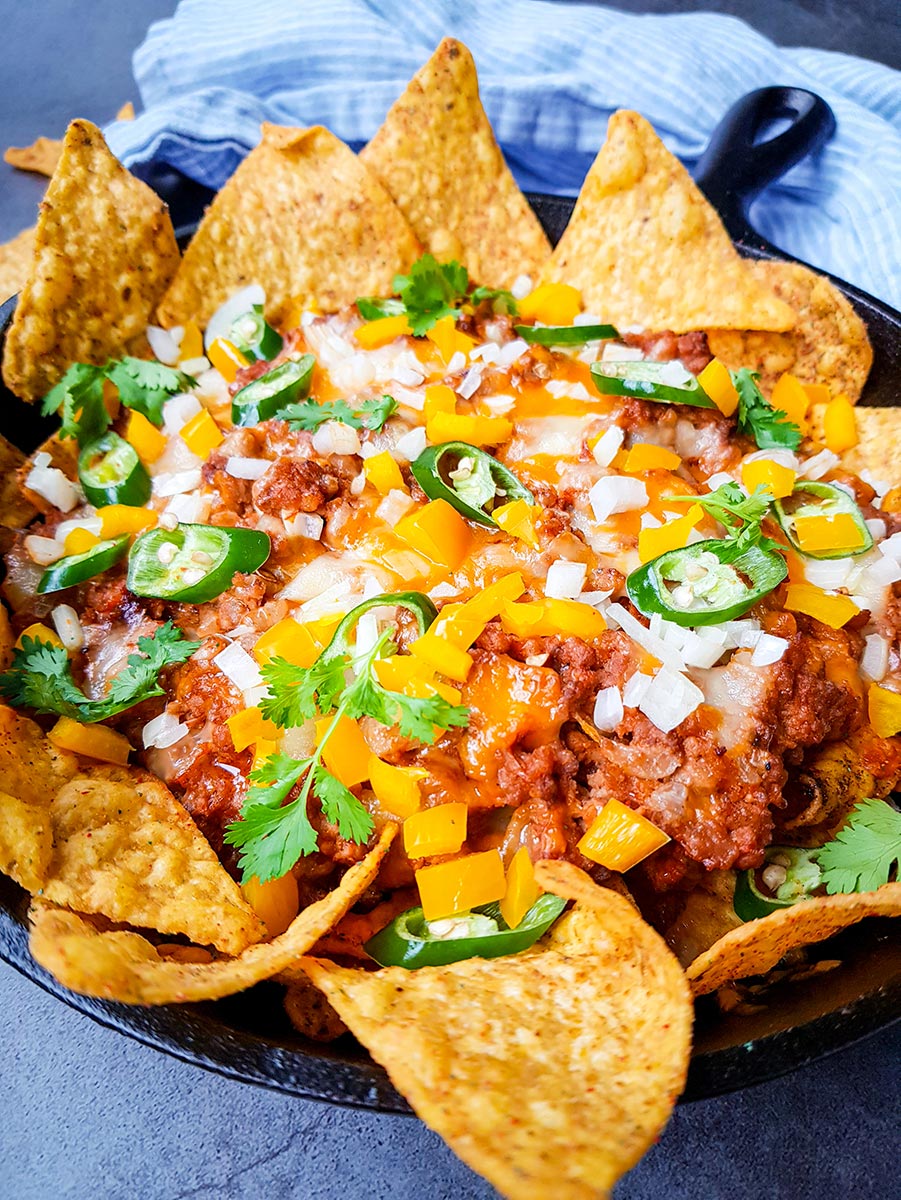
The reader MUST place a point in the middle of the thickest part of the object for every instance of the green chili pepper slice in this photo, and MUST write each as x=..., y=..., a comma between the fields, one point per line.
x=469, y=479
x=564, y=335
x=810, y=499
x=111, y=472
x=419, y=605
x=193, y=563
x=649, y=381
x=77, y=568
x=410, y=941
x=261, y=399
x=753, y=898
x=713, y=581
x=254, y=336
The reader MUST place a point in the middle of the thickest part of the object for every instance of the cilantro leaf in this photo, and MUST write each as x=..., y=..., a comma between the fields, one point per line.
x=145, y=386
x=768, y=426
x=296, y=694
x=418, y=716
x=431, y=291
x=140, y=678
x=373, y=309
x=374, y=412
x=502, y=301
x=78, y=398
x=862, y=855
x=341, y=807
x=730, y=506
x=270, y=834
x=309, y=414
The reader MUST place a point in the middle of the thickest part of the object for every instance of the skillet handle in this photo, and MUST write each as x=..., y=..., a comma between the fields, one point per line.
x=736, y=167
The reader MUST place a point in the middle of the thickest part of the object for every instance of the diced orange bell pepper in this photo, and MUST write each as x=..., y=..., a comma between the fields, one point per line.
x=275, y=902
x=817, y=393
x=522, y=888
x=840, y=425
x=442, y=656
x=396, y=788
x=717, y=383
x=249, y=726
x=39, y=633
x=439, y=398
x=412, y=676
x=644, y=456
x=552, y=304
x=836, y=533
x=891, y=501
x=777, y=479
x=463, y=883
x=384, y=474
x=346, y=753
x=884, y=711
x=374, y=334
x=438, y=830
x=201, y=434
x=191, y=342
x=145, y=437
x=517, y=518
x=790, y=396
x=618, y=837
x=671, y=536
x=438, y=531
x=834, y=611
x=476, y=431
x=117, y=519
x=322, y=629
x=226, y=358
x=80, y=541
x=287, y=639
x=447, y=339
x=262, y=750
x=93, y=741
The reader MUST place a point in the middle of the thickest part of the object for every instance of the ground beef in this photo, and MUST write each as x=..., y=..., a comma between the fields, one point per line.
x=690, y=348
x=295, y=485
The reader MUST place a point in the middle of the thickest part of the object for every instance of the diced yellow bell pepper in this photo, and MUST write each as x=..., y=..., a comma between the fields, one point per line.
x=552, y=304
x=777, y=479
x=541, y=618
x=275, y=902
x=834, y=611
x=93, y=741
x=39, y=633
x=447, y=339
x=412, y=676
x=442, y=656
x=463, y=883
x=226, y=358
x=145, y=437
x=489, y=602
x=671, y=536
x=618, y=837
x=836, y=533
x=287, y=639
x=438, y=830
x=884, y=710
x=322, y=629
x=374, y=334
x=717, y=383
x=117, y=519
x=439, y=398
x=891, y=501
x=790, y=396
x=817, y=393
x=202, y=435
x=80, y=541
x=456, y=627
x=438, y=531
x=249, y=726
x=522, y=888
x=191, y=342
x=396, y=788
x=644, y=456
x=384, y=474
x=517, y=518
x=477, y=431
x=346, y=753
x=840, y=425
x=262, y=750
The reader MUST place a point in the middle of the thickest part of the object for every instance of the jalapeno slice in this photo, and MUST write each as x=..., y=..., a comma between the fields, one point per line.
x=659, y=381
x=193, y=563
x=419, y=605
x=111, y=472
x=77, y=568
x=707, y=582
x=261, y=399
x=755, y=895
x=411, y=941
x=822, y=521
x=564, y=335
x=254, y=336
x=469, y=479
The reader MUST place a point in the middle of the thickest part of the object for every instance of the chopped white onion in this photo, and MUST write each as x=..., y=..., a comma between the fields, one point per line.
x=586, y=318
x=487, y=352
x=190, y=508
x=163, y=731
x=521, y=287
x=699, y=651
x=883, y=572
x=879, y=486
x=470, y=383
x=669, y=699
x=564, y=579
x=618, y=352
x=91, y=524
x=367, y=632
x=649, y=521
x=785, y=458
x=68, y=626
x=828, y=573
x=246, y=468
x=235, y=306
x=43, y=550
x=649, y=641
x=737, y=632
x=457, y=362
x=608, y=709
x=559, y=388
x=769, y=649
x=53, y=485
x=817, y=466
x=877, y=528
x=177, y=333
x=163, y=345
x=358, y=484
x=512, y=352
x=393, y=506
x=195, y=366
x=407, y=369
x=305, y=525
x=891, y=547
x=718, y=480
x=607, y=445
x=178, y=411
x=636, y=688
x=616, y=494
x=874, y=660
x=499, y=405
x=595, y=599
x=336, y=438
x=411, y=444
x=176, y=483
x=236, y=664
x=253, y=695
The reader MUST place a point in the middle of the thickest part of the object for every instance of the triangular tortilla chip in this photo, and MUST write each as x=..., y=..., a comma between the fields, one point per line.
x=438, y=157
x=15, y=263
x=645, y=248
x=105, y=251
x=303, y=217
x=878, y=448
x=41, y=156
x=16, y=510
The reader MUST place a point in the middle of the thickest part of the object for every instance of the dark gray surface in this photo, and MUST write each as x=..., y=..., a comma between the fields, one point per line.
x=85, y=1113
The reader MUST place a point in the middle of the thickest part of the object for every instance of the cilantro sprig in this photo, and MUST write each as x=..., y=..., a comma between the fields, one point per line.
x=769, y=427
x=864, y=854
x=309, y=414
x=40, y=677
x=143, y=385
x=741, y=514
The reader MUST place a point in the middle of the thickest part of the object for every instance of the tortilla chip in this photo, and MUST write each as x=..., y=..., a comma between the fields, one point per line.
x=645, y=248
x=705, y=916
x=437, y=156
x=105, y=252
x=550, y=1072
x=758, y=946
x=125, y=847
x=125, y=967
x=878, y=441
x=310, y=1013
x=15, y=509
x=303, y=217
x=828, y=344
x=41, y=156
x=26, y=841
x=31, y=767
x=15, y=262
x=126, y=112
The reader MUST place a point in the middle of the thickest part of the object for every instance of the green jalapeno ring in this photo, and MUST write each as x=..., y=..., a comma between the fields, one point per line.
x=833, y=500
x=564, y=335
x=110, y=472
x=803, y=877
x=254, y=336
x=419, y=605
x=432, y=468
x=78, y=568
x=201, y=565
x=648, y=381
x=261, y=399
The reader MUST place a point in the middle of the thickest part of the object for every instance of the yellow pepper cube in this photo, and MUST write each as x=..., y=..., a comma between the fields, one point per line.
x=384, y=474
x=191, y=342
x=226, y=358
x=442, y=656
x=80, y=541
x=439, y=398
x=262, y=750
x=38, y=633
x=396, y=788
x=346, y=753
x=523, y=620
x=287, y=639
x=836, y=533
x=438, y=830
x=644, y=456
x=817, y=393
x=118, y=519
x=671, y=536
x=93, y=741
x=619, y=838
x=891, y=501
x=717, y=383
x=144, y=436
x=489, y=602
x=202, y=435
x=517, y=518
x=777, y=479
x=522, y=888
x=249, y=726
x=275, y=902
x=834, y=611
x=461, y=884
x=790, y=396
x=884, y=711
x=438, y=531
x=552, y=304
x=374, y=334
x=455, y=626
x=572, y=618
x=443, y=337
x=840, y=425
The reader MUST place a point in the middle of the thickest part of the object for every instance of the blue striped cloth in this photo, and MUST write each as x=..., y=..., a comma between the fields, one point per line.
x=550, y=75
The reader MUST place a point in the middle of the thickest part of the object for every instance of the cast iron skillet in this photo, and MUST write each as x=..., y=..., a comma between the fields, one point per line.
x=247, y=1037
